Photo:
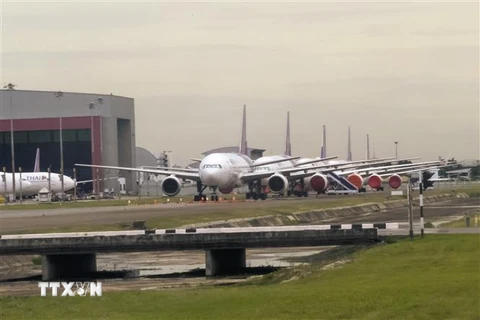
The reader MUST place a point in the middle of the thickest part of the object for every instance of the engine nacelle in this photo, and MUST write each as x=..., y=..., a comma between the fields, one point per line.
x=318, y=182
x=171, y=186
x=356, y=180
x=395, y=181
x=375, y=181
x=225, y=190
x=277, y=183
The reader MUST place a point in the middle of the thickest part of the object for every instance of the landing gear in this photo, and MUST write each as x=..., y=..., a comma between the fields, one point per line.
x=255, y=191
x=298, y=189
x=200, y=189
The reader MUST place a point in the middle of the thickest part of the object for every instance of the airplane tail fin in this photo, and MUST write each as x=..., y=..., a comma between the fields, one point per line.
x=288, y=145
x=323, y=149
x=349, y=146
x=243, y=143
x=435, y=175
x=368, y=147
x=36, y=166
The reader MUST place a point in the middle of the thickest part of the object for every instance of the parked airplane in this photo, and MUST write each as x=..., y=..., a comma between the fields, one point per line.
x=6, y=186
x=217, y=171
x=373, y=176
x=314, y=178
x=38, y=180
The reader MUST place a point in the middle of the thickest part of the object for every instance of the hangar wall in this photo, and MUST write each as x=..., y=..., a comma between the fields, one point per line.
x=36, y=112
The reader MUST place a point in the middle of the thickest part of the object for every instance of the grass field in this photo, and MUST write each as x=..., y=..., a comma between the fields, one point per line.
x=88, y=203
x=235, y=212
x=432, y=278
x=475, y=191
x=460, y=223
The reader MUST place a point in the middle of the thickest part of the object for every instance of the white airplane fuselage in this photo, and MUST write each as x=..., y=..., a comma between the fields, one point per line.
x=6, y=184
x=38, y=180
x=224, y=170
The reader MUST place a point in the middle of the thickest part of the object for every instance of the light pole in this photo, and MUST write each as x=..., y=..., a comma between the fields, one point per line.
x=92, y=106
x=59, y=96
x=396, y=149
x=10, y=87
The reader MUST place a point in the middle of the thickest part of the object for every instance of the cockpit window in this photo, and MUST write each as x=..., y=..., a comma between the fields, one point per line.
x=208, y=166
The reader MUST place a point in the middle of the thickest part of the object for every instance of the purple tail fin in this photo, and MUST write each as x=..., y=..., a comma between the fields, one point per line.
x=36, y=166
x=243, y=143
x=288, y=145
x=323, y=150
x=349, y=147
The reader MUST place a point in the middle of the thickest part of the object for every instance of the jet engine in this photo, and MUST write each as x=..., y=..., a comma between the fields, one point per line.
x=277, y=183
x=171, y=186
x=395, y=181
x=356, y=180
x=225, y=190
x=375, y=181
x=318, y=182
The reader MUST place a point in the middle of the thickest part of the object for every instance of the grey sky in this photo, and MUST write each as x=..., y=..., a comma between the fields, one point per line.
x=398, y=71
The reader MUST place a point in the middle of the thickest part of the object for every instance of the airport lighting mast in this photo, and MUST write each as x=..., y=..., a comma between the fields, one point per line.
x=92, y=105
x=59, y=96
x=10, y=87
x=396, y=149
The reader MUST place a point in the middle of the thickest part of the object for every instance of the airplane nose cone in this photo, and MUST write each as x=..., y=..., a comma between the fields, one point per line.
x=210, y=178
x=68, y=183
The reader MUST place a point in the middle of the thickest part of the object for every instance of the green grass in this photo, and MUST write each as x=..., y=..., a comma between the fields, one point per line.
x=79, y=228
x=473, y=192
x=235, y=211
x=460, y=223
x=89, y=203
x=432, y=278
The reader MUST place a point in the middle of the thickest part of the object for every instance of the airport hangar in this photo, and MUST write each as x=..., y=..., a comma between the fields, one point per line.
x=36, y=124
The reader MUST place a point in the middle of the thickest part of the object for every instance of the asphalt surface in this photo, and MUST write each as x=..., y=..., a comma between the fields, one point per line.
x=25, y=220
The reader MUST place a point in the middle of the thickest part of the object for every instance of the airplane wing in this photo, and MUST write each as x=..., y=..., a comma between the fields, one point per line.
x=182, y=175
x=254, y=165
x=171, y=169
x=315, y=161
x=91, y=180
x=407, y=171
x=260, y=174
x=372, y=170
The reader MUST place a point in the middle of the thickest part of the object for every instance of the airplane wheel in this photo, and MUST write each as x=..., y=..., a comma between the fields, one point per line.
x=216, y=198
x=248, y=195
x=255, y=196
x=289, y=193
x=305, y=193
x=196, y=198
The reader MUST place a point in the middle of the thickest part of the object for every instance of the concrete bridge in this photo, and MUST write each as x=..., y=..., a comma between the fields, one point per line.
x=73, y=255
